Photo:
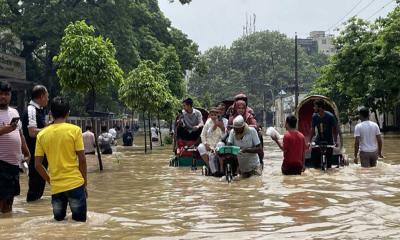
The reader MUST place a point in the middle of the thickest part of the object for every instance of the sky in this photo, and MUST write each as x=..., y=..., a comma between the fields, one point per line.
x=219, y=22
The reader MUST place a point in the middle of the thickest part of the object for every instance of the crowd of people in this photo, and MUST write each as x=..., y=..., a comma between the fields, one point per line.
x=236, y=125
x=55, y=152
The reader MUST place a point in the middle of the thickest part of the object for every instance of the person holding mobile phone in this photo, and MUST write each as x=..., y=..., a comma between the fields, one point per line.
x=12, y=142
x=33, y=121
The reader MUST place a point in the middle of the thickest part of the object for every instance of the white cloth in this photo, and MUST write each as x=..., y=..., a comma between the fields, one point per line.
x=113, y=133
x=202, y=148
x=238, y=122
x=247, y=161
x=211, y=136
x=212, y=158
x=32, y=114
x=367, y=131
x=154, y=133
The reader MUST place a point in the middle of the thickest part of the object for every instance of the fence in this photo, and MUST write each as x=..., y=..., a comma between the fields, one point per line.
x=98, y=122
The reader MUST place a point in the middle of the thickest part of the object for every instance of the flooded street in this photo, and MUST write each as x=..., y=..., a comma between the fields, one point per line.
x=138, y=196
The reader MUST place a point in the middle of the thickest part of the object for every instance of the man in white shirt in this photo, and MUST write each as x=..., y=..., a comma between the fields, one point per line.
x=368, y=140
x=113, y=132
x=89, y=141
x=247, y=139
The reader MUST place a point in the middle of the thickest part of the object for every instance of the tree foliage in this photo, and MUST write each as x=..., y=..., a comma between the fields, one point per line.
x=86, y=62
x=138, y=29
x=171, y=68
x=258, y=64
x=146, y=88
x=365, y=69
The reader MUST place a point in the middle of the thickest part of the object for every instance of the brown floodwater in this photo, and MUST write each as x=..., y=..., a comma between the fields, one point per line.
x=139, y=196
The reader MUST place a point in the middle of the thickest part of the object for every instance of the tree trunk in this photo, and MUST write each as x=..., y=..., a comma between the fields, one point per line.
x=151, y=140
x=384, y=121
x=145, y=136
x=93, y=93
x=159, y=129
x=377, y=118
x=97, y=146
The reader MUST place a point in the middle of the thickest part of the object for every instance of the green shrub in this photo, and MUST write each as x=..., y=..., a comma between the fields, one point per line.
x=167, y=139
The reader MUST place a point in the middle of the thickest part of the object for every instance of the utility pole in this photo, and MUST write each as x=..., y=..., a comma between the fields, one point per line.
x=296, y=77
x=254, y=22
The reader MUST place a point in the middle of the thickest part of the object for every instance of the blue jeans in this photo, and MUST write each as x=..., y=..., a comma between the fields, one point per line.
x=77, y=202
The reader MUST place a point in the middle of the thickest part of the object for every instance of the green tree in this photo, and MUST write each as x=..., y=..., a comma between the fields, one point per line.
x=259, y=65
x=86, y=62
x=146, y=90
x=365, y=68
x=171, y=68
x=138, y=30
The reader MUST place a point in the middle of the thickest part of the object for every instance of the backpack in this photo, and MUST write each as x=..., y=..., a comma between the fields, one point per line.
x=106, y=140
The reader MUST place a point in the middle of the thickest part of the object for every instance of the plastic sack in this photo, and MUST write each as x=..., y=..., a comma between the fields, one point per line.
x=272, y=132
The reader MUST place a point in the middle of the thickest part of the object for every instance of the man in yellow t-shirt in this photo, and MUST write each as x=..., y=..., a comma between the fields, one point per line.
x=62, y=143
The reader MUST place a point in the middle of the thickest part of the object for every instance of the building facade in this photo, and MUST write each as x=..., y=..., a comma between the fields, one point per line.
x=318, y=42
x=284, y=106
x=13, y=71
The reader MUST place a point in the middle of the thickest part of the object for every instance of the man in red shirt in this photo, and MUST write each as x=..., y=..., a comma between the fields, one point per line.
x=293, y=147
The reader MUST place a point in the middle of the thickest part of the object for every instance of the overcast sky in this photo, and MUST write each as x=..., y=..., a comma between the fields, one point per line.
x=219, y=22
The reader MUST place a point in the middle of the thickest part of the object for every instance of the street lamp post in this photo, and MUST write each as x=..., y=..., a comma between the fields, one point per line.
x=271, y=89
x=282, y=113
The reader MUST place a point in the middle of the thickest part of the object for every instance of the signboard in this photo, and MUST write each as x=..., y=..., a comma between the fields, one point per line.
x=13, y=67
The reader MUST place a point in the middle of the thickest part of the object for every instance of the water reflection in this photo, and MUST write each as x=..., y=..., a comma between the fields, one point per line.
x=139, y=196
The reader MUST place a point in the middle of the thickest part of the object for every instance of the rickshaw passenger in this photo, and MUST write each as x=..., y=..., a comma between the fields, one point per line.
x=326, y=124
x=191, y=123
x=242, y=97
x=246, y=137
x=240, y=108
x=222, y=113
x=211, y=135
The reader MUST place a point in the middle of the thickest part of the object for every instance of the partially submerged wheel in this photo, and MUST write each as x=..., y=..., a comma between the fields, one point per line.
x=205, y=171
x=324, y=164
x=228, y=173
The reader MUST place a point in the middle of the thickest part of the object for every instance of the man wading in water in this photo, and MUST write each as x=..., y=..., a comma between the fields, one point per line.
x=33, y=121
x=11, y=143
x=62, y=143
x=368, y=140
x=293, y=147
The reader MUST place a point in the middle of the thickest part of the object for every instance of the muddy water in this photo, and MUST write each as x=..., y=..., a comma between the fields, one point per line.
x=138, y=196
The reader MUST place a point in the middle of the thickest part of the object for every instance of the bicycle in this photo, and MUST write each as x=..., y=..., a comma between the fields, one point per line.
x=323, y=147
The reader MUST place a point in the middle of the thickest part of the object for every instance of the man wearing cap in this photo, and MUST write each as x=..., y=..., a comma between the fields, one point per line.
x=12, y=142
x=211, y=136
x=247, y=139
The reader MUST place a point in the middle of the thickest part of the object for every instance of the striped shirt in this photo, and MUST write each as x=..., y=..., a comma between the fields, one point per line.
x=10, y=143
